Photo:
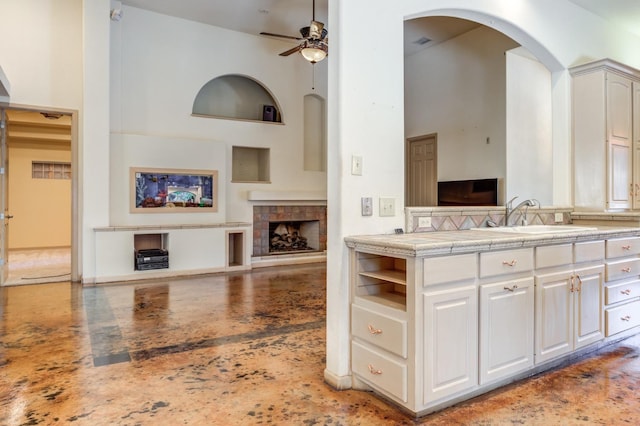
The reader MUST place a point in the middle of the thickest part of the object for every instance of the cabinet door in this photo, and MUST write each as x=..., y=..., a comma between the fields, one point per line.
x=636, y=145
x=587, y=294
x=554, y=315
x=506, y=328
x=619, y=141
x=450, y=342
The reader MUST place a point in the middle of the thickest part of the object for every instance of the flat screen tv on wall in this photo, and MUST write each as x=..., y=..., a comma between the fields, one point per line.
x=472, y=192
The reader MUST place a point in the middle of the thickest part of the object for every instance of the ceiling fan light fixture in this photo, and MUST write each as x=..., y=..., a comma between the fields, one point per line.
x=314, y=51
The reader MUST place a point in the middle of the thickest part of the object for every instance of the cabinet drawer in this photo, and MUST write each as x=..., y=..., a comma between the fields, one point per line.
x=622, y=318
x=627, y=268
x=588, y=251
x=621, y=291
x=379, y=370
x=548, y=256
x=447, y=269
x=386, y=332
x=506, y=262
x=623, y=247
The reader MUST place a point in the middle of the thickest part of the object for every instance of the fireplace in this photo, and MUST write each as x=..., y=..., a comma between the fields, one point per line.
x=294, y=236
x=289, y=229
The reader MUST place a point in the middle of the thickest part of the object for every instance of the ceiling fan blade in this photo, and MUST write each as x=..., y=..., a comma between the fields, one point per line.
x=280, y=35
x=291, y=51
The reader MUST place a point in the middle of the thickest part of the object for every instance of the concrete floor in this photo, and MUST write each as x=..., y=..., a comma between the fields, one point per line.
x=241, y=349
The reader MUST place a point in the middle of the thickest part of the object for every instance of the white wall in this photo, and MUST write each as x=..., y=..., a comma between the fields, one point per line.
x=170, y=153
x=160, y=63
x=457, y=89
x=529, y=130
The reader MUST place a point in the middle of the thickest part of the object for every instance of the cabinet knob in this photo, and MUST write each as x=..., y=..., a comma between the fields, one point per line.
x=374, y=330
x=510, y=262
x=374, y=370
x=626, y=318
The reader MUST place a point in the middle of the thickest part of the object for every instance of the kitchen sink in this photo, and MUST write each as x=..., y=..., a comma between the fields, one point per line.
x=537, y=229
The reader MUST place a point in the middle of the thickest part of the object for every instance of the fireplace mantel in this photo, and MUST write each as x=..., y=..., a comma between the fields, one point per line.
x=288, y=196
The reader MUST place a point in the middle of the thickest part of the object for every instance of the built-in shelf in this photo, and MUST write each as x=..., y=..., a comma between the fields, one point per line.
x=235, y=249
x=237, y=97
x=249, y=164
x=382, y=279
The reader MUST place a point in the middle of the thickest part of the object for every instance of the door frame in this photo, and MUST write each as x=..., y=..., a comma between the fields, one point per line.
x=407, y=165
x=76, y=240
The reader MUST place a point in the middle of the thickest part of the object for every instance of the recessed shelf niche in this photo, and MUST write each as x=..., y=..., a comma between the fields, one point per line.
x=250, y=164
x=237, y=97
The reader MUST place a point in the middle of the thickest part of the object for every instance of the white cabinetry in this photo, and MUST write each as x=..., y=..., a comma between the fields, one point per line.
x=622, y=289
x=568, y=299
x=450, y=323
x=506, y=328
x=506, y=313
x=603, y=97
x=379, y=326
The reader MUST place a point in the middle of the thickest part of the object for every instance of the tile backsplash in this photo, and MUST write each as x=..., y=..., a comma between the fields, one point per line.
x=457, y=218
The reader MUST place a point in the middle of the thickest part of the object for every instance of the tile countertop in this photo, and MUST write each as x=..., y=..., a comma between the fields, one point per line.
x=469, y=241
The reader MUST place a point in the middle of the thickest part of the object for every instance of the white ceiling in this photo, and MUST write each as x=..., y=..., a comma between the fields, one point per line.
x=288, y=16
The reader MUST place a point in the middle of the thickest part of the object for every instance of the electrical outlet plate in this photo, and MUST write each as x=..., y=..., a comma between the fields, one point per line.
x=387, y=206
x=424, y=222
x=559, y=217
x=367, y=206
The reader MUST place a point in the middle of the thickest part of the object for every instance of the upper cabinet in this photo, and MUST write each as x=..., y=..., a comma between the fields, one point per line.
x=237, y=97
x=605, y=159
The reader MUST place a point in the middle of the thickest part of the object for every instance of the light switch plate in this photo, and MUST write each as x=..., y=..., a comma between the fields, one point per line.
x=367, y=206
x=356, y=165
x=387, y=206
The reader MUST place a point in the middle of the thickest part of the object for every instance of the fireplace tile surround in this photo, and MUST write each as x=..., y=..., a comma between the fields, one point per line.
x=263, y=215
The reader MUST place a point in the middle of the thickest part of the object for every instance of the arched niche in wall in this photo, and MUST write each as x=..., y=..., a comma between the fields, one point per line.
x=237, y=97
x=315, y=135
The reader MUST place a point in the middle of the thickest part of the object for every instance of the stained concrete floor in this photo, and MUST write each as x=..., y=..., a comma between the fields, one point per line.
x=241, y=349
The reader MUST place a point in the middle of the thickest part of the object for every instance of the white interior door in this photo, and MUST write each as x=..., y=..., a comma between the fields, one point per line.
x=4, y=229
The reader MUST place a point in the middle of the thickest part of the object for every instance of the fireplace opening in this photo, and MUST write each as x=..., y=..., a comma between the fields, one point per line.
x=294, y=236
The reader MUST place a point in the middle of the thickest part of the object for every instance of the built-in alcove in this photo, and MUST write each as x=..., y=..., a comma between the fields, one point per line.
x=237, y=97
x=250, y=164
x=235, y=249
x=150, y=251
x=315, y=139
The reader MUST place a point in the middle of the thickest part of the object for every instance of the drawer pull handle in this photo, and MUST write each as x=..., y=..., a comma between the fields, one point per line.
x=374, y=330
x=627, y=269
x=374, y=370
x=626, y=318
x=626, y=247
x=626, y=292
x=510, y=263
x=511, y=288
x=579, y=286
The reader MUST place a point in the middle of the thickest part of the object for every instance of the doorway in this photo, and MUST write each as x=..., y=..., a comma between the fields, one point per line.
x=38, y=198
x=421, y=171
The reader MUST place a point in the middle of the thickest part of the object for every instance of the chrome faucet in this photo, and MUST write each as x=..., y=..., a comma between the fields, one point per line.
x=509, y=209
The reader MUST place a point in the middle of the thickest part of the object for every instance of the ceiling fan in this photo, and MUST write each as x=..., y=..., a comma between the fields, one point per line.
x=314, y=46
